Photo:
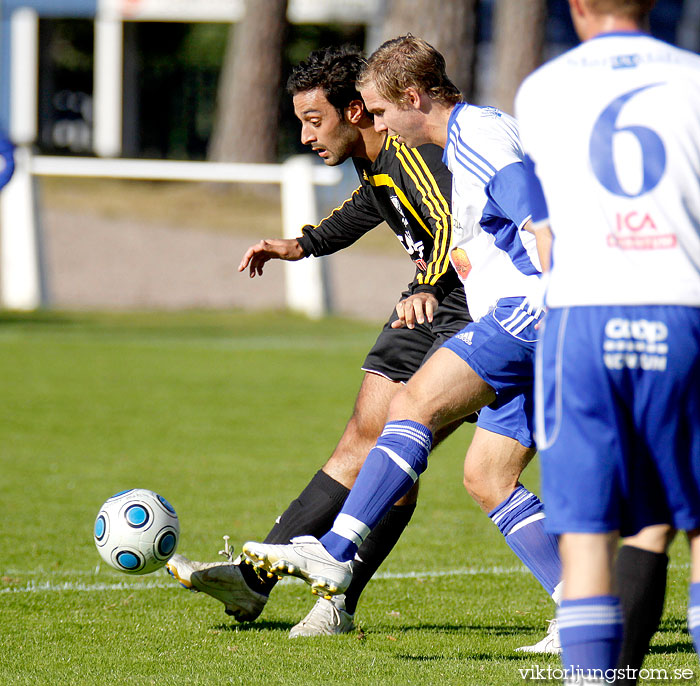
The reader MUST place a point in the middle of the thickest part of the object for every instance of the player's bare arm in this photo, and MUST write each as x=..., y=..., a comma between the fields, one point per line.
x=270, y=249
x=416, y=309
x=543, y=241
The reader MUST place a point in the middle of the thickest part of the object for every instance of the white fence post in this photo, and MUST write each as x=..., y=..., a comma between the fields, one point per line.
x=21, y=285
x=21, y=278
x=108, y=82
x=24, y=75
x=305, y=290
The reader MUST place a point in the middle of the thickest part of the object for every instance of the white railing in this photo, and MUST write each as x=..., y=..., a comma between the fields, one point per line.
x=21, y=285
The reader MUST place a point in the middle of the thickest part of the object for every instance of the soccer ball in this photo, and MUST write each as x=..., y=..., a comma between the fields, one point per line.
x=136, y=531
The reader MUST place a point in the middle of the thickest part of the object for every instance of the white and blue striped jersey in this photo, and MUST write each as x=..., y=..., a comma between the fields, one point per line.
x=612, y=130
x=494, y=257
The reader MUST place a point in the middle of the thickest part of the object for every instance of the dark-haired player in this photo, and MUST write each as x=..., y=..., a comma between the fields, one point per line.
x=409, y=189
x=487, y=366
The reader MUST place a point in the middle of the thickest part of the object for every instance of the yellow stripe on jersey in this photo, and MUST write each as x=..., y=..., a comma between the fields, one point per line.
x=441, y=256
x=424, y=181
x=436, y=206
x=386, y=180
x=340, y=207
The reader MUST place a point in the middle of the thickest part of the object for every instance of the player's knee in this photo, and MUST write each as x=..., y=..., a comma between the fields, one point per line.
x=365, y=430
x=360, y=435
x=410, y=403
x=486, y=485
x=476, y=481
x=401, y=402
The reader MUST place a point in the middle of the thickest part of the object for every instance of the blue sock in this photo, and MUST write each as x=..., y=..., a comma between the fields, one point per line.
x=389, y=472
x=694, y=615
x=591, y=634
x=520, y=518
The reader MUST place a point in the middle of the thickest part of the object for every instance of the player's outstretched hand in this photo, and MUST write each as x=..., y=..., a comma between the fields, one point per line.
x=416, y=309
x=270, y=249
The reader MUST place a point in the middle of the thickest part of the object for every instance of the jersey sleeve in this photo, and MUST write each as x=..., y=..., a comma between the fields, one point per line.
x=538, y=204
x=428, y=184
x=509, y=189
x=343, y=226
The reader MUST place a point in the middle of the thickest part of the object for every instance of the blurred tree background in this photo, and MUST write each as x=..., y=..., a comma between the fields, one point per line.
x=452, y=27
x=248, y=100
x=171, y=71
x=176, y=73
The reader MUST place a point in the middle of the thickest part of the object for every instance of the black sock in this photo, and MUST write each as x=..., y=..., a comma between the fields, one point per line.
x=375, y=550
x=641, y=580
x=311, y=514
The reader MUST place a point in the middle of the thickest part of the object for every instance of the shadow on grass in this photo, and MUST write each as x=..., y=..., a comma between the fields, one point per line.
x=667, y=633
x=255, y=626
x=41, y=317
x=674, y=648
x=492, y=630
x=462, y=656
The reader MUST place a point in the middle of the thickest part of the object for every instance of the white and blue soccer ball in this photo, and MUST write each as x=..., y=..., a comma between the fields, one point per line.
x=137, y=531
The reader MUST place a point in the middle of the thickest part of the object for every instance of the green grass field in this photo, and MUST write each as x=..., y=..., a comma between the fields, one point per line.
x=228, y=416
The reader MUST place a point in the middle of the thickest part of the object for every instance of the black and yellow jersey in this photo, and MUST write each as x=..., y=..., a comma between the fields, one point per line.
x=409, y=189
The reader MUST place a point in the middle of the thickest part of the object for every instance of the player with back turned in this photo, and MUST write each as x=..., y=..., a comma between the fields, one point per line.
x=612, y=131
x=409, y=190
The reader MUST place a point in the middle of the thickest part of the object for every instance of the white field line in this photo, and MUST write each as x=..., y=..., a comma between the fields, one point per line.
x=57, y=586
x=49, y=586
x=54, y=586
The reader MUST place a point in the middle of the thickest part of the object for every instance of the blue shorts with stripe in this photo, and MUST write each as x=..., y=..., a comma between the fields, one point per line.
x=618, y=418
x=500, y=348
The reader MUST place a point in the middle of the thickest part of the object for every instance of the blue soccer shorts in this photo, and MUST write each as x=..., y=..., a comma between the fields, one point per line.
x=515, y=419
x=618, y=418
x=500, y=348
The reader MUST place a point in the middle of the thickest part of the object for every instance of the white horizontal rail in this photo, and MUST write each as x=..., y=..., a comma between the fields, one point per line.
x=173, y=170
x=20, y=234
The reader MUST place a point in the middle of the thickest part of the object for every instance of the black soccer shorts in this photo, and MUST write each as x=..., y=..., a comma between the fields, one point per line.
x=398, y=353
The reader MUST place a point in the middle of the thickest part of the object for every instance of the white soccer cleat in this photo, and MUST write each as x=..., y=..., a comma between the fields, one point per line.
x=220, y=580
x=549, y=644
x=306, y=558
x=326, y=618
